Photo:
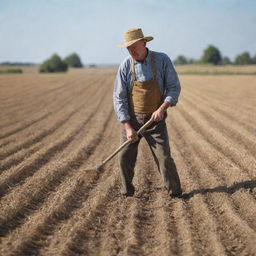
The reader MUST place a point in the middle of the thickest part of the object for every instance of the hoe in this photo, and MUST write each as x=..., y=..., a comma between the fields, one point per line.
x=127, y=142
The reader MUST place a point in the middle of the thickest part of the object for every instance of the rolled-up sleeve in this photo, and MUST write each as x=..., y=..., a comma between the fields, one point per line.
x=120, y=95
x=171, y=82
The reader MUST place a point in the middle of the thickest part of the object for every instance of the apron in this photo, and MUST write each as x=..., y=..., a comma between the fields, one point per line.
x=145, y=97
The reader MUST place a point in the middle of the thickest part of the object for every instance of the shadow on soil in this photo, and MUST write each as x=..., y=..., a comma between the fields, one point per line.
x=250, y=185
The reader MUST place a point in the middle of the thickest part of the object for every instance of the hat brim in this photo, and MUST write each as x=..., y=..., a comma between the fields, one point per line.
x=129, y=43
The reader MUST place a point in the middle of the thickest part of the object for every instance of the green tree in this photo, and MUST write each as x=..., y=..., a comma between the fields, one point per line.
x=254, y=59
x=53, y=64
x=192, y=61
x=73, y=60
x=243, y=59
x=226, y=61
x=211, y=55
x=180, y=60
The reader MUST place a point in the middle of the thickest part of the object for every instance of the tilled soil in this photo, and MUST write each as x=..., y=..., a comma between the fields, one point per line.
x=56, y=126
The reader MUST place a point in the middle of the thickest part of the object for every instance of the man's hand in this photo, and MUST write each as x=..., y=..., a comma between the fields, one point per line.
x=131, y=134
x=158, y=115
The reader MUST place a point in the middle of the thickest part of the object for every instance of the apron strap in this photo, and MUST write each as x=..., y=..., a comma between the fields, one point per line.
x=153, y=64
x=133, y=71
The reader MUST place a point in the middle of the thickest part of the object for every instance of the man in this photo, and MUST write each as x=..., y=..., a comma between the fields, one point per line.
x=146, y=85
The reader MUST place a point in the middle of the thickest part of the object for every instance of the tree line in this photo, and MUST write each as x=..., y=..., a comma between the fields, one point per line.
x=212, y=55
x=56, y=64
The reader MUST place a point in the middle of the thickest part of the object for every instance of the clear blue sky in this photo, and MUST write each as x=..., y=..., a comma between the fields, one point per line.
x=32, y=30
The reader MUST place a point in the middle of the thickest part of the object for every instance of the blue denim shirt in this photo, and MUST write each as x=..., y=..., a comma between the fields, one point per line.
x=166, y=75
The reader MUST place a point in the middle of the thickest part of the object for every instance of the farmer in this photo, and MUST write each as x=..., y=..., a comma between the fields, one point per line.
x=146, y=85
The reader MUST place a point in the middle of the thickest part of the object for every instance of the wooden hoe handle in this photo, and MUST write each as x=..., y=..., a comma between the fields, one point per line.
x=141, y=130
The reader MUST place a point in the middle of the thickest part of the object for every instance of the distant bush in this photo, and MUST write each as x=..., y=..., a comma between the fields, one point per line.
x=8, y=63
x=181, y=60
x=53, y=64
x=198, y=72
x=212, y=55
x=73, y=60
x=92, y=66
x=192, y=61
x=10, y=71
x=243, y=59
x=254, y=59
x=226, y=61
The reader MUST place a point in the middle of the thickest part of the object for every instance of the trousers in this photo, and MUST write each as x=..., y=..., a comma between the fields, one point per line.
x=157, y=138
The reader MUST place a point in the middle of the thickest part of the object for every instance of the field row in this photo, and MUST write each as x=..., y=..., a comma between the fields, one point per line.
x=51, y=204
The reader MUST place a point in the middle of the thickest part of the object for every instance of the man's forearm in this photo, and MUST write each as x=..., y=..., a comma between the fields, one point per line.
x=165, y=105
x=127, y=124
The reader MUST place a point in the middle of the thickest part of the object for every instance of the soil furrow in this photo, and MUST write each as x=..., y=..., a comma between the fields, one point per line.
x=32, y=96
x=22, y=86
x=41, y=135
x=107, y=231
x=52, y=101
x=114, y=236
x=197, y=233
x=184, y=235
x=79, y=238
x=32, y=109
x=23, y=127
x=35, y=241
x=224, y=212
x=149, y=230
x=241, y=116
x=220, y=142
x=44, y=157
x=17, y=158
x=220, y=171
x=225, y=104
x=52, y=111
x=202, y=234
x=45, y=132
x=6, y=143
x=238, y=117
x=226, y=127
x=31, y=112
x=50, y=184
x=60, y=206
x=227, y=90
x=166, y=228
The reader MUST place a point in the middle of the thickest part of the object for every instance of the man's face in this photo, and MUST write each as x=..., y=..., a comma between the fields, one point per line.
x=138, y=50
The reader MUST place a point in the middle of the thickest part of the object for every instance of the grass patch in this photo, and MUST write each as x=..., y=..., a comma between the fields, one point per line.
x=11, y=71
x=215, y=73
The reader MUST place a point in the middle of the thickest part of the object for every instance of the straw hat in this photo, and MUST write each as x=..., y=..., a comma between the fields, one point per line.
x=133, y=35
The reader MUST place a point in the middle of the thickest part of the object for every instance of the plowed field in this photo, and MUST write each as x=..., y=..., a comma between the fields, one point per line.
x=54, y=126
